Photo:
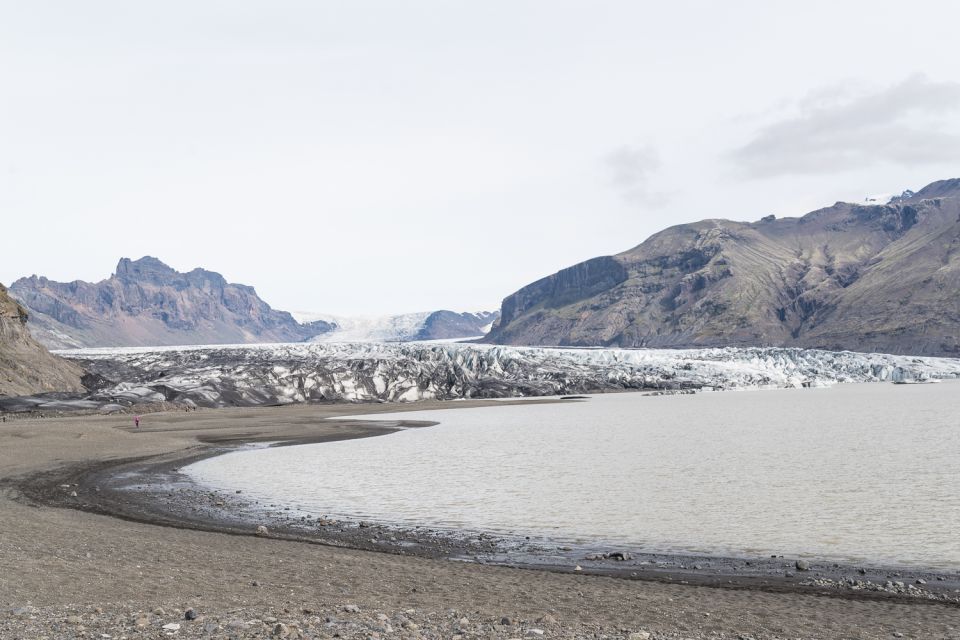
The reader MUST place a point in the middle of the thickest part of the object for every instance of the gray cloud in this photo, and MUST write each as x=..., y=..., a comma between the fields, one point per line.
x=629, y=169
x=836, y=130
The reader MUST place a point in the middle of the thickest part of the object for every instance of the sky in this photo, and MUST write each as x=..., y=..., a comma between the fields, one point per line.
x=371, y=157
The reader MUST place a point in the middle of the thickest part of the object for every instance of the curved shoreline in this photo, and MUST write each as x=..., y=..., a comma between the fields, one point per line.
x=150, y=490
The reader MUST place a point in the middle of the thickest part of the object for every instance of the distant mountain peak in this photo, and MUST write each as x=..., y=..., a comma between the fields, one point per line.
x=148, y=303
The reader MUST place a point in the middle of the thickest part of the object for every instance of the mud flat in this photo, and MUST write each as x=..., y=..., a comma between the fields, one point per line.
x=83, y=554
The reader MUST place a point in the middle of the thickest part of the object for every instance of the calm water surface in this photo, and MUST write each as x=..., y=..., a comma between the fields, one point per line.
x=854, y=472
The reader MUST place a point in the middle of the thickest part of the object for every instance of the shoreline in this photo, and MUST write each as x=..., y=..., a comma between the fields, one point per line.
x=152, y=490
x=76, y=573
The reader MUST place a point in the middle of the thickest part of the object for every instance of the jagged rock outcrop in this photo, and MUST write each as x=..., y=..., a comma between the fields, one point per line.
x=25, y=366
x=881, y=278
x=147, y=303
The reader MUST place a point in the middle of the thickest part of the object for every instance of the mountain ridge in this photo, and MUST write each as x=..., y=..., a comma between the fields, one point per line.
x=851, y=276
x=147, y=303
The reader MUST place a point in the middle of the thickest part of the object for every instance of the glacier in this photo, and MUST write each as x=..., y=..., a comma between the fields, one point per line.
x=249, y=375
x=423, y=326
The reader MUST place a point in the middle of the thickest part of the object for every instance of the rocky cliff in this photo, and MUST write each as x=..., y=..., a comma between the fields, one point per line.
x=147, y=303
x=25, y=366
x=883, y=278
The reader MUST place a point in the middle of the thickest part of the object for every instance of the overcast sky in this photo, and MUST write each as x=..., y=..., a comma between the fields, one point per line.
x=370, y=157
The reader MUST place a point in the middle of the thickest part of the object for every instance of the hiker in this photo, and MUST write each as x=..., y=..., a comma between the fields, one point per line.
x=136, y=421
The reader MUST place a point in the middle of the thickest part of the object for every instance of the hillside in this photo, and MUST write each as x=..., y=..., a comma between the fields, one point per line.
x=881, y=278
x=147, y=303
x=25, y=366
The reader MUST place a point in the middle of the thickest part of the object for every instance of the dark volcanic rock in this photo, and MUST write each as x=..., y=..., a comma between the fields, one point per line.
x=148, y=303
x=878, y=278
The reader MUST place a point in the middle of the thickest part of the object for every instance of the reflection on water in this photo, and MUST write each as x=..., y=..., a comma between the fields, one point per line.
x=855, y=472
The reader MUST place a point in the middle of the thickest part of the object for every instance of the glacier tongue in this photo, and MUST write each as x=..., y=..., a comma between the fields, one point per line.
x=249, y=375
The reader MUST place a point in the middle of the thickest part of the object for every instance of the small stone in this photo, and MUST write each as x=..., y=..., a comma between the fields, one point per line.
x=547, y=620
x=535, y=632
x=506, y=621
x=921, y=581
x=281, y=630
x=802, y=565
x=171, y=626
x=351, y=608
x=159, y=612
x=262, y=531
x=74, y=619
x=190, y=614
x=141, y=622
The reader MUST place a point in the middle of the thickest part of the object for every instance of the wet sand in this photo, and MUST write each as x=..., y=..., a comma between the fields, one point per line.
x=56, y=560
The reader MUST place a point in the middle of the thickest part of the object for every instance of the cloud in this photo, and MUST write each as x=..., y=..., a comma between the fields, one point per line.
x=838, y=129
x=629, y=169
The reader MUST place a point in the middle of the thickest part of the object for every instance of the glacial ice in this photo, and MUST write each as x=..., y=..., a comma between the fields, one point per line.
x=245, y=375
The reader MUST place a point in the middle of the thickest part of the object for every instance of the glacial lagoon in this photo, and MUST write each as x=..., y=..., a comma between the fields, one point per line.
x=855, y=472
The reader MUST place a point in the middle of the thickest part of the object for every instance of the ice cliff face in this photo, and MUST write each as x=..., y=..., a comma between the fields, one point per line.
x=247, y=375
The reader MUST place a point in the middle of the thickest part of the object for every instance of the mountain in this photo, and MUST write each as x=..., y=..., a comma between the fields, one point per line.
x=25, y=366
x=147, y=303
x=872, y=278
x=409, y=327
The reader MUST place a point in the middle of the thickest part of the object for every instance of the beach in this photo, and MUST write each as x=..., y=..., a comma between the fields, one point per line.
x=71, y=570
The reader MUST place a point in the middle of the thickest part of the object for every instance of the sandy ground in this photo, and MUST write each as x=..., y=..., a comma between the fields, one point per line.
x=68, y=573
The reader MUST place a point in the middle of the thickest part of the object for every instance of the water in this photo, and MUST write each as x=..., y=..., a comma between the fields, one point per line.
x=859, y=473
